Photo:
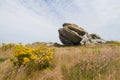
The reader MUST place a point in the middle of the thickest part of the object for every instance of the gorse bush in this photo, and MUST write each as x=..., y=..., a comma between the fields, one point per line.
x=44, y=56
x=23, y=55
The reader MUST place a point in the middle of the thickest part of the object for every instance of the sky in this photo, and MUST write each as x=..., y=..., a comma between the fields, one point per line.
x=29, y=21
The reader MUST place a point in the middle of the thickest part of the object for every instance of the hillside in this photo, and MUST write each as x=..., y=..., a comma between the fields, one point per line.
x=92, y=62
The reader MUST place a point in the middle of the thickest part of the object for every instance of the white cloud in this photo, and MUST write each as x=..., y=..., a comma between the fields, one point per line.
x=38, y=20
x=101, y=17
x=21, y=25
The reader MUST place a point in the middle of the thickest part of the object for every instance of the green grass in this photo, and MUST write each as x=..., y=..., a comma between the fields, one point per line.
x=2, y=59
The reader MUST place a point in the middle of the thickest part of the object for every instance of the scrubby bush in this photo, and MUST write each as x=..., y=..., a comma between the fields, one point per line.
x=44, y=56
x=22, y=55
x=41, y=56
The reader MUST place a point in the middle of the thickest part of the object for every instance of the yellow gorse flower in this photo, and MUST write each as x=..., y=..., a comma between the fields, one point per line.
x=25, y=60
x=23, y=55
x=33, y=57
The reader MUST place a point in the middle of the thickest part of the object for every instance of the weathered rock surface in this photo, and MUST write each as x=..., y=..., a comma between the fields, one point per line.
x=72, y=34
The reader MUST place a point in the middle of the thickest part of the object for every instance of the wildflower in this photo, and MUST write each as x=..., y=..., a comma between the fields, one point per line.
x=25, y=59
x=33, y=57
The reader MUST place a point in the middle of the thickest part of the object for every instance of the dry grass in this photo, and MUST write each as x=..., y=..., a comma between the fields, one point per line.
x=93, y=62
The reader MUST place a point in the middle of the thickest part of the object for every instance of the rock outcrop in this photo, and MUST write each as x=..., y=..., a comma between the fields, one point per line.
x=72, y=34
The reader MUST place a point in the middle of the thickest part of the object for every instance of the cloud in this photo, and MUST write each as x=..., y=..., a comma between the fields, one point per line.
x=101, y=17
x=18, y=24
x=38, y=20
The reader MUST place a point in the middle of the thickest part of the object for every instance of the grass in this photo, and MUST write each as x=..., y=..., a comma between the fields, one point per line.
x=92, y=62
x=2, y=59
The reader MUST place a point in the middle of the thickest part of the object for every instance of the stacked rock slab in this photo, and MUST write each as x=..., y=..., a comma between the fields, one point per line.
x=72, y=34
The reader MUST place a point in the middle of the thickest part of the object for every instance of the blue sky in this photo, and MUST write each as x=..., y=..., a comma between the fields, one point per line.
x=29, y=21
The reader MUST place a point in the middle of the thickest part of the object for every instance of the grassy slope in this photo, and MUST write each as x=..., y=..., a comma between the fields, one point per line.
x=93, y=62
